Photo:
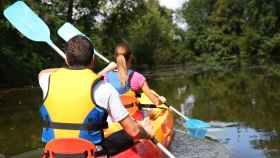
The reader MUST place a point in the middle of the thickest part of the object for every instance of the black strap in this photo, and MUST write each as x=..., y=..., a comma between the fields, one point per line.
x=80, y=155
x=128, y=105
x=129, y=78
x=60, y=155
x=72, y=126
x=150, y=106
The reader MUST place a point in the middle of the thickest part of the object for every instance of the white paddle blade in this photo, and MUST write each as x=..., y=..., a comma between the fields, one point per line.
x=68, y=31
x=27, y=22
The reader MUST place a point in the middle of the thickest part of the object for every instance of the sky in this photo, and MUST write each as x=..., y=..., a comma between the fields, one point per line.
x=172, y=4
x=175, y=4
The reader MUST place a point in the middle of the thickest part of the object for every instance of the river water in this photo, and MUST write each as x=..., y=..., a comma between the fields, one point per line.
x=248, y=97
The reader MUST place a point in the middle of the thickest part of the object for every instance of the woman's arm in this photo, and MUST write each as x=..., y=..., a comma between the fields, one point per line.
x=149, y=93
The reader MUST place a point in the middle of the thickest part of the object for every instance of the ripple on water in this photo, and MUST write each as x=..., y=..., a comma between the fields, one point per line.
x=184, y=146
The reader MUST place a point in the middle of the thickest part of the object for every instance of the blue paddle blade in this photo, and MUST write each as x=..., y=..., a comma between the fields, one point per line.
x=194, y=123
x=196, y=128
x=68, y=31
x=27, y=22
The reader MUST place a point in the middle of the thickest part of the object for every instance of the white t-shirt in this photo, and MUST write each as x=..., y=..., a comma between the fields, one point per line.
x=105, y=95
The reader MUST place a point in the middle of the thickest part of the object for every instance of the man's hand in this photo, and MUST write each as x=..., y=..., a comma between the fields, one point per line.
x=133, y=129
x=147, y=125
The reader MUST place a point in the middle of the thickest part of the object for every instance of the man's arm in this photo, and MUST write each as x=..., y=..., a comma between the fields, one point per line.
x=133, y=129
x=108, y=68
x=119, y=114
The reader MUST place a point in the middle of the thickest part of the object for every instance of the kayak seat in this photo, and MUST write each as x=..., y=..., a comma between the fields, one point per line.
x=69, y=148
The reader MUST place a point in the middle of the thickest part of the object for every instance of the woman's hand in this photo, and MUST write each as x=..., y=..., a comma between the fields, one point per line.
x=162, y=99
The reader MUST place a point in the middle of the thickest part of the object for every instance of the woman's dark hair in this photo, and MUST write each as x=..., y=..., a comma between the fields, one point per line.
x=79, y=51
x=127, y=54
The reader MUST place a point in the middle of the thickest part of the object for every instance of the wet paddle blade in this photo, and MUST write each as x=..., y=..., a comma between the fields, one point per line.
x=196, y=128
x=27, y=22
x=194, y=123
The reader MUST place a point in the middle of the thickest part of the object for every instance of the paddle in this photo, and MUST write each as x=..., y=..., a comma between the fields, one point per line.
x=151, y=106
x=163, y=148
x=189, y=122
x=196, y=128
x=29, y=24
x=67, y=31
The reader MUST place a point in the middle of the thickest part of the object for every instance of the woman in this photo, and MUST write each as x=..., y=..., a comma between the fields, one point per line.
x=128, y=82
x=124, y=79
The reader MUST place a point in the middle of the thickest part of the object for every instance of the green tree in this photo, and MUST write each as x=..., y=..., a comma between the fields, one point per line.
x=152, y=34
x=228, y=31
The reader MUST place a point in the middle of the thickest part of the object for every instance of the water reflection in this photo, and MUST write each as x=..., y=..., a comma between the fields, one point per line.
x=242, y=141
x=249, y=97
x=19, y=121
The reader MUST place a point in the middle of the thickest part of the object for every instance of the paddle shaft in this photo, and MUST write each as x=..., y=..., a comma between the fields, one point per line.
x=59, y=51
x=101, y=57
x=171, y=107
x=177, y=112
x=150, y=106
x=163, y=148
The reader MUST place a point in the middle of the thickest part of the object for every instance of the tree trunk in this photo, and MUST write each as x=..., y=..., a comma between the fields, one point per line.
x=70, y=11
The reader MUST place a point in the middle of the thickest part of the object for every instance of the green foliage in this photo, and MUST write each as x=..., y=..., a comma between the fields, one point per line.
x=151, y=35
x=233, y=32
x=219, y=32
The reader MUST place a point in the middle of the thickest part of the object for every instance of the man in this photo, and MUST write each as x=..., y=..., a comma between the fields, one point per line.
x=76, y=102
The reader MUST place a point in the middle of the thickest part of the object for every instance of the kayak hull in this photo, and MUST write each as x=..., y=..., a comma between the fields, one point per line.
x=144, y=149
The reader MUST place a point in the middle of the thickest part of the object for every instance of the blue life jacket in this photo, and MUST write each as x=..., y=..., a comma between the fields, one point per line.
x=113, y=79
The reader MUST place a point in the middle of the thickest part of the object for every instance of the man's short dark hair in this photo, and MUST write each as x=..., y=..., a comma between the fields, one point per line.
x=79, y=51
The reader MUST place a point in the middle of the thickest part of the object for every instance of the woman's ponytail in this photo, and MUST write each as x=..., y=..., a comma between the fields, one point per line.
x=122, y=54
x=123, y=76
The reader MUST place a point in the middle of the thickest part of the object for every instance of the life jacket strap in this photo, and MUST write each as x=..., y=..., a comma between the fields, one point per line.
x=130, y=77
x=74, y=126
x=60, y=155
x=81, y=155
